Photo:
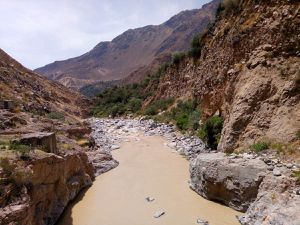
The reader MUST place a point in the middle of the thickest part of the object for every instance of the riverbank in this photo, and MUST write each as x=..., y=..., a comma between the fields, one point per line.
x=147, y=168
x=250, y=178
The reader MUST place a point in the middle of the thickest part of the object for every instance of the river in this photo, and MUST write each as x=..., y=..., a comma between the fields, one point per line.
x=148, y=168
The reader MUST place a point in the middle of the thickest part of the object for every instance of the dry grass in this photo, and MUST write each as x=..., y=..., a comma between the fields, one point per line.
x=253, y=19
x=64, y=147
x=83, y=142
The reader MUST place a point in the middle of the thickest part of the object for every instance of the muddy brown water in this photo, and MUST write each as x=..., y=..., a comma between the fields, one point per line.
x=147, y=168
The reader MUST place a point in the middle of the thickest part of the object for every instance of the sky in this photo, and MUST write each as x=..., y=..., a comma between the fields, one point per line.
x=38, y=32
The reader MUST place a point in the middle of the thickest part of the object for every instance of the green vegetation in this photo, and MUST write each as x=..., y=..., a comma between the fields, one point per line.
x=93, y=90
x=227, y=7
x=185, y=115
x=158, y=106
x=56, y=116
x=178, y=57
x=121, y=100
x=210, y=131
x=22, y=150
x=259, y=146
x=297, y=175
x=298, y=134
x=196, y=47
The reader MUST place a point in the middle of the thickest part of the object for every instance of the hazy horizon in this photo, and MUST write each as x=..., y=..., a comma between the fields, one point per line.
x=40, y=32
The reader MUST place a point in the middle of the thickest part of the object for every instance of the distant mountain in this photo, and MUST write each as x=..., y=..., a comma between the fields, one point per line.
x=131, y=51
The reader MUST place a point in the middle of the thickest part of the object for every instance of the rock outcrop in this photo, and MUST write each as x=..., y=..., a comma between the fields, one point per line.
x=261, y=186
x=47, y=141
x=231, y=181
x=248, y=71
x=53, y=182
x=276, y=203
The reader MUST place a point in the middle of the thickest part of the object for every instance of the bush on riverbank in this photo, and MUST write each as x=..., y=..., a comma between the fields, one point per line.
x=210, y=131
x=185, y=115
x=158, y=106
x=128, y=99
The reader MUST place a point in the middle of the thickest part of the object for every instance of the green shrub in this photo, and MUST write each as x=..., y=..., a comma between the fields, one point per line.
x=196, y=46
x=158, y=106
x=297, y=175
x=185, y=115
x=211, y=130
x=178, y=57
x=56, y=116
x=134, y=105
x=182, y=121
x=259, y=146
x=22, y=150
x=227, y=7
x=298, y=134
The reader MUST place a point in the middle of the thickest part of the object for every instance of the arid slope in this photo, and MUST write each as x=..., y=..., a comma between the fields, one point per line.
x=132, y=50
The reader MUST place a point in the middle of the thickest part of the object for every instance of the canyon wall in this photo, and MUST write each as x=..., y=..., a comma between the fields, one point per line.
x=54, y=182
x=248, y=72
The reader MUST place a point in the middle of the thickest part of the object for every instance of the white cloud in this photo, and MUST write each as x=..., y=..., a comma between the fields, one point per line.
x=37, y=32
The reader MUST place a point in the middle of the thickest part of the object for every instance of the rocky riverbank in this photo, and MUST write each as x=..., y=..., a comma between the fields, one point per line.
x=109, y=133
x=54, y=182
x=260, y=185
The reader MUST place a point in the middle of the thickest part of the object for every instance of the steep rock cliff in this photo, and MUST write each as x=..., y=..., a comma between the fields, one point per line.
x=53, y=182
x=248, y=72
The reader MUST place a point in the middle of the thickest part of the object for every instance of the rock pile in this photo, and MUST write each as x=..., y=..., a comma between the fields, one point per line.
x=109, y=133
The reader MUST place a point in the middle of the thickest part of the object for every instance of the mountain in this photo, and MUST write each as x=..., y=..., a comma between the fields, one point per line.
x=245, y=78
x=34, y=93
x=132, y=50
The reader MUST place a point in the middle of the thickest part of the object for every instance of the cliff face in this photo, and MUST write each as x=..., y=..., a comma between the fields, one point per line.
x=131, y=51
x=42, y=165
x=248, y=72
x=54, y=182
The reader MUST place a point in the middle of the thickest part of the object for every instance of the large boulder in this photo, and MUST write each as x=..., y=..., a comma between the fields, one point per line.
x=233, y=182
x=46, y=140
x=276, y=203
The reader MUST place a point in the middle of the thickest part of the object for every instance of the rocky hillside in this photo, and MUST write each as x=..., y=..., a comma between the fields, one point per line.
x=34, y=93
x=46, y=154
x=131, y=51
x=248, y=73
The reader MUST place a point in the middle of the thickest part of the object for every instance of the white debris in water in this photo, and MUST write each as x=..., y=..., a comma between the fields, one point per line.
x=159, y=214
x=202, y=222
x=149, y=199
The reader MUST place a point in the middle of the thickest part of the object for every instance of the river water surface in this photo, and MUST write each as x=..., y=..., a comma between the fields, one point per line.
x=147, y=168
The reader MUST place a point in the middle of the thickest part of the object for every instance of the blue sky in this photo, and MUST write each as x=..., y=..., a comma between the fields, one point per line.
x=37, y=32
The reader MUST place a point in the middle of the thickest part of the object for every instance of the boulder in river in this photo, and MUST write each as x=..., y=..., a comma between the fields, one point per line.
x=233, y=182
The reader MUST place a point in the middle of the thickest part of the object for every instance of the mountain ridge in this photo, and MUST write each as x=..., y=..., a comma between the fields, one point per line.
x=132, y=50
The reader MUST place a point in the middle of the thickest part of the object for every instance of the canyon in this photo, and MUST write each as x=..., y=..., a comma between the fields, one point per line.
x=212, y=137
